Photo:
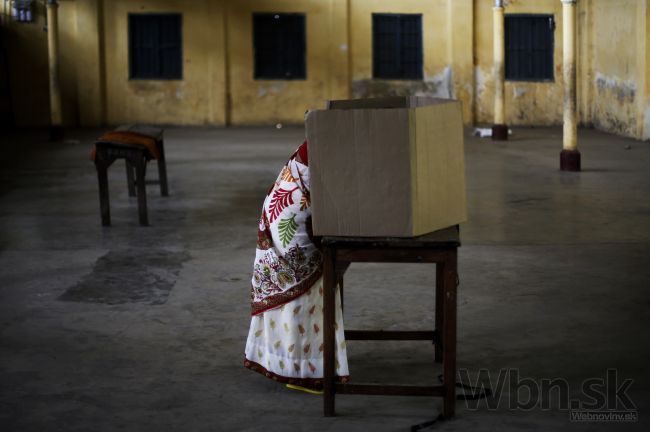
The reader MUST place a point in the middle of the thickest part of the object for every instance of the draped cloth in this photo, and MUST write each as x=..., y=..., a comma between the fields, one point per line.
x=130, y=138
x=285, y=340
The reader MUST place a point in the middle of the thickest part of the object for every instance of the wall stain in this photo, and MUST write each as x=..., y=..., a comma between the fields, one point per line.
x=440, y=85
x=624, y=91
x=614, y=108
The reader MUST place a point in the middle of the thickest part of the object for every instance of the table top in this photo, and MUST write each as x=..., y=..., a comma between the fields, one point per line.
x=152, y=131
x=447, y=237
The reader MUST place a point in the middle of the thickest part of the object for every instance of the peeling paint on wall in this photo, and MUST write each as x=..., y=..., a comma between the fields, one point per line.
x=518, y=92
x=480, y=81
x=446, y=81
x=614, y=106
x=480, y=78
x=439, y=85
x=624, y=90
x=272, y=89
x=527, y=103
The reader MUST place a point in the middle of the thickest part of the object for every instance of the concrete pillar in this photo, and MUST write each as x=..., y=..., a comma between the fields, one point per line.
x=338, y=55
x=499, y=128
x=643, y=70
x=460, y=54
x=56, y=117
x=90, y=63
x=570, y=156
x=226, y=64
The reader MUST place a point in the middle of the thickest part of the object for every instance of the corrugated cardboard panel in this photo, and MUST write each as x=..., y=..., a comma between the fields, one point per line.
x=360, y=172
x=439, y=169
x=373, y=103
x=385, y=102
x=329, y=167
x=414, y=183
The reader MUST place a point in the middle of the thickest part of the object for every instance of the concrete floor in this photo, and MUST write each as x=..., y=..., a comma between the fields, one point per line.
x=143, y=329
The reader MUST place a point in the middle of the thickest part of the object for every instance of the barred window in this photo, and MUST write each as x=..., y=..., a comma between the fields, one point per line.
x=529, y=47
x=397, y=46
x=279, y=46
x=155, y=46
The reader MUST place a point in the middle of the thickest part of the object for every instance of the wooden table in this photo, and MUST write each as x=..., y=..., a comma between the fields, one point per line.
x=136, y=158
x=156, y=134
x=440, y=248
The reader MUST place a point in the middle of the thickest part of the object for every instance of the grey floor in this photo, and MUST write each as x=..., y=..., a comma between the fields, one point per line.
x=143, y=328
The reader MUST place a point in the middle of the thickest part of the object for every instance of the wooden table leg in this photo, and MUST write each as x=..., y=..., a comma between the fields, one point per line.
x=102, y=176
x=130, y=178
x=449, y=335
x=329, y=291
x=341, y=268
x=439, y=312
x=140, y=170
x=162, y=170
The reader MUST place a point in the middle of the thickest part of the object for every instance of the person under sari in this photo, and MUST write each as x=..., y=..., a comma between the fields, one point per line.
x=285, y=340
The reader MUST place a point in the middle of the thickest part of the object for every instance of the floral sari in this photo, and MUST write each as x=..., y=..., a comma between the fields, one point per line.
x=285, y=341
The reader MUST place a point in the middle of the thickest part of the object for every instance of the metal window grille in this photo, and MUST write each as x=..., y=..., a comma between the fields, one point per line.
x=397, y=46
x=155, y=46
x=279, y=46
x=529, y=47
x=22, y=10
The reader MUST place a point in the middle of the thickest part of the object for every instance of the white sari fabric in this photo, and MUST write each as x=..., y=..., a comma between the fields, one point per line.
x=285, y=340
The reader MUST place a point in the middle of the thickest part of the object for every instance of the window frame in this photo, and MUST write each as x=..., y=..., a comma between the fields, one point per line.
x=130, y=54
x=547, y=16
x=302, y=68
x=420, y=71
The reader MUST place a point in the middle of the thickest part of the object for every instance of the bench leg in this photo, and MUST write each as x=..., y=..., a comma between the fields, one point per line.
x=449, y=335
x=329, y=296
x=439, y=311
x=140, y=170
x=104, y=202
x=130, y=178
x=162, y=171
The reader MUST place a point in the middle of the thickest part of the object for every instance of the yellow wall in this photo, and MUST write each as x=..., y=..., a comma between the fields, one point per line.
x=263, y=101
x=644, y=74
x=218, y=86
x=91, y=63
x=536, y=103
x=447, y=32
x=434, y=30
x=6, y=109
x=615, y=65
x=198, y=97
x=26, y=48
x=68, y=58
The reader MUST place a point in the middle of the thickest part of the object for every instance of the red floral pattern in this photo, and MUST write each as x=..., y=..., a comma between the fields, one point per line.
x=287, y=261
x=285, y=339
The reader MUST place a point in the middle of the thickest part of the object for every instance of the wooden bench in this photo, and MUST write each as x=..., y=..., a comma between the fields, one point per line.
x=440, y=248
x=136, y=156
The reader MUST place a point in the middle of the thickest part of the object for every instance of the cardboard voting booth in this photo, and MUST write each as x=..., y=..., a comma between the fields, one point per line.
x=386, y=167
